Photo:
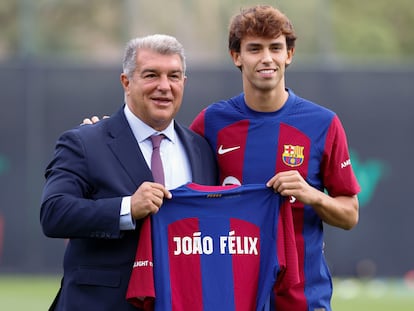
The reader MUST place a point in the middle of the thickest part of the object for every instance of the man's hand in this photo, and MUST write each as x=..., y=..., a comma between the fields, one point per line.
x=291, y=183
x=339, y=211
x=92, y=120
x=148, y=199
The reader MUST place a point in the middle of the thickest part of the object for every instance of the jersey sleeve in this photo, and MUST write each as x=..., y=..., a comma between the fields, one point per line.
x=141, y=289
x=198, y=123
x=288, y=290
x=286, y=250
x=339, y=178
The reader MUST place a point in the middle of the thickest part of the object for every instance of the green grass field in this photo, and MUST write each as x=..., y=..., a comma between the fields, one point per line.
x=378, y=295
x=35, y=293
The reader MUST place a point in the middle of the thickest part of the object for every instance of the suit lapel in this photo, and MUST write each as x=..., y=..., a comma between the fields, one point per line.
x=125, y=148
x=192, y=149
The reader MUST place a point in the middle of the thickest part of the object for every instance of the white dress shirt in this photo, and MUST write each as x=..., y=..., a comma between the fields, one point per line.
x=177, y=170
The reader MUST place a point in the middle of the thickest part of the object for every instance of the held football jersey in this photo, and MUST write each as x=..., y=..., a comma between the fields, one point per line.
x=252, y=146
x=215, y=248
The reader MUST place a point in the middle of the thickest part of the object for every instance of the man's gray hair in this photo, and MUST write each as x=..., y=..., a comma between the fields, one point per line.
x=163, y=44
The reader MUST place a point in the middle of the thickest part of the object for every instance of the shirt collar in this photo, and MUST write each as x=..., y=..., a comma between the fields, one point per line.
x=143, y=131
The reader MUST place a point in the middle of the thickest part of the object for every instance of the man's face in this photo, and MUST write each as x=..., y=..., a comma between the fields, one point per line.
x=263, y=62
x=155, y=91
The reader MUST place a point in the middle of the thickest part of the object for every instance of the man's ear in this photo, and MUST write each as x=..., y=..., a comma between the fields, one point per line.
x=289, y=59
x=124, y=81
x=235, y=56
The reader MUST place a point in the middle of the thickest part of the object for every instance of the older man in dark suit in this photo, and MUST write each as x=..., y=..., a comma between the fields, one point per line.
x=99, y=185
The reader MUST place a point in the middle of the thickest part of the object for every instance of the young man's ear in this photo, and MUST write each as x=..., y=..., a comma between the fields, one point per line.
x=289, y=59
x=235, y=56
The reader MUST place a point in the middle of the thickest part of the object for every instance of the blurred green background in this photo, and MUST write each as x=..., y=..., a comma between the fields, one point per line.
x=94, y=30
x=333, y=35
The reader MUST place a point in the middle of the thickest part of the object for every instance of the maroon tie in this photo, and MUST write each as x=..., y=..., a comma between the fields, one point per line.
x=156, y=163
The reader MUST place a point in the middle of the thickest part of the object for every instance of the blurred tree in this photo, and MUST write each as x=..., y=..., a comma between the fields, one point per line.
x=95, y=29
x=8, y=26
x=79, y=28
x=370, y=29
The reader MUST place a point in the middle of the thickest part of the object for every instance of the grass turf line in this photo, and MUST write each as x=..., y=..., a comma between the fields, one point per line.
x=35, y=293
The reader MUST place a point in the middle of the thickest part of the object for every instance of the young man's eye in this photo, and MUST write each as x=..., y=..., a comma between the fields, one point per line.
x=253, y=50
x=277, y=48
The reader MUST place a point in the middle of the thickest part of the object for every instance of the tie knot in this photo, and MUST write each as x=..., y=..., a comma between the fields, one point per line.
x=156, y=140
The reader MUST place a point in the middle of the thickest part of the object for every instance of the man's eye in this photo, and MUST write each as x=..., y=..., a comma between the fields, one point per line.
x=276, y=48
x=149, y=76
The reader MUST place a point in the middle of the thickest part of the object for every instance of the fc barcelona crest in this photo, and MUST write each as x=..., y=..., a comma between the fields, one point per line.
x=293, y=155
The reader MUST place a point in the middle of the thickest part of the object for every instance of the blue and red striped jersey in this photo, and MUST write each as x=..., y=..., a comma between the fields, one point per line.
x=251, y=147
x=215, y=248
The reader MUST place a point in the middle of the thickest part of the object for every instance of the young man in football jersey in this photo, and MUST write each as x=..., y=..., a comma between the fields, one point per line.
x=268, y=134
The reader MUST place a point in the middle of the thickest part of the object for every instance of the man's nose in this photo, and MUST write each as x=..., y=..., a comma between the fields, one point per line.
x=267, y=56
x=164, y=83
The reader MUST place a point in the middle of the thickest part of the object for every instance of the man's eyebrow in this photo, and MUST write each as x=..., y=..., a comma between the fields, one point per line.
x=253, y=44
x=153, y=70
x=277, y=44
x=257, y=44
x=146, y=70
x=177, y=71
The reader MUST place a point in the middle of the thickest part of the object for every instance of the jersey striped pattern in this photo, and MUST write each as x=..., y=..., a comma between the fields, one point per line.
x=216, y=248
x=251, y=147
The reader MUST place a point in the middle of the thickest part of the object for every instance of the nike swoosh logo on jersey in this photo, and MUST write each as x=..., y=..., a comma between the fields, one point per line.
x=225, y=150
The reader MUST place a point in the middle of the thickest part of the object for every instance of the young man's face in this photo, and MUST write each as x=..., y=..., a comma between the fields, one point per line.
x=263, y=62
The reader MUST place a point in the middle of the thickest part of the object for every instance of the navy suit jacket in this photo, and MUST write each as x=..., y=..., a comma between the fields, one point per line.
x=93, y=167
